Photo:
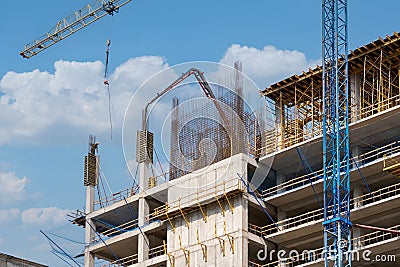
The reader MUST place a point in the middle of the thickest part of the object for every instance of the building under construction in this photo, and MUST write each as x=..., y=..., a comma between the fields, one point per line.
x=263, y=187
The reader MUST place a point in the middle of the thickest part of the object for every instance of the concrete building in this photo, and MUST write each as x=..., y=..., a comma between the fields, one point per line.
x=11, y=261
x=211, y=218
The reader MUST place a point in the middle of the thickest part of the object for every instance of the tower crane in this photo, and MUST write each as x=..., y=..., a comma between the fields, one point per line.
x=336, y=151
x=73, y=23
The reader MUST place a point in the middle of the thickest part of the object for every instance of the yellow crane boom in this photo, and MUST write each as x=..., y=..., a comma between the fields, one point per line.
x=73, y=23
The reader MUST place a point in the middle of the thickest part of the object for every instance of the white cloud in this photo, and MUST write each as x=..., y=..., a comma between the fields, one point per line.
x=44, y=216
x=269, y=64
x=8, y=215
x=44, y=107
x=12, y=188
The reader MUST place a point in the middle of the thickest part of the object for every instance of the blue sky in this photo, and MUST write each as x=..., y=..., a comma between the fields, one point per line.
x=44, y=137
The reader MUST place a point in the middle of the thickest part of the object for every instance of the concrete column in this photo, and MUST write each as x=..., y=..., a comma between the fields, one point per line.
x=355, y=99
x=357, y=232
x=280, y=123
x=358, y=191
x=242, y=212
x=144, y=176
x=89, y=233
x=355, y=152
x=143, y=240
x=281, y=215
x=280, y=179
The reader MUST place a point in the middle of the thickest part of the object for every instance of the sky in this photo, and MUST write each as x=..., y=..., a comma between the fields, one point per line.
x=49, y=104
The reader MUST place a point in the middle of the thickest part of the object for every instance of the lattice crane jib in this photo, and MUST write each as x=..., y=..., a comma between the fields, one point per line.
x=337, y=236
x=73, y=23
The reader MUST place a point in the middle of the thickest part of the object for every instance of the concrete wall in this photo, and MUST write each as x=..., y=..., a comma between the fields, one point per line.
x=230, y=223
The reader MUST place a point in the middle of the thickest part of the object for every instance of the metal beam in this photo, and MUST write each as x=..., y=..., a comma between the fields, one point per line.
x=73, y=23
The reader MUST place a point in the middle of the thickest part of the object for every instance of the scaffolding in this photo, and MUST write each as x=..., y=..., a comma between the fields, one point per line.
x=296, y=104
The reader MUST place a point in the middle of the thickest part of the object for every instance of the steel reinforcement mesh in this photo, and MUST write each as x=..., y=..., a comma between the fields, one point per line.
x=202, y=133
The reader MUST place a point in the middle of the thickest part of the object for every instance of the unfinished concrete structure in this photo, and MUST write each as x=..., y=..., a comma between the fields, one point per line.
x=11, y=261
x=209, y=217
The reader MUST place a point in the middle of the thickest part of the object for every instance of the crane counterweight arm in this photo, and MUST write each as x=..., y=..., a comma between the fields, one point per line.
x=73, y=23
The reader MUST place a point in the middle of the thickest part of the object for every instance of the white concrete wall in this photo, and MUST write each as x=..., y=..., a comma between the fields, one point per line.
x=188, y=187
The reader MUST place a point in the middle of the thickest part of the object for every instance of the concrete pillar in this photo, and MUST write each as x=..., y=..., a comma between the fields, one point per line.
x=358, y=191
x=280, y=123
x=357, y=232
x=89, y=233
x=144, y=176
x=280, y=179
x=355, y=152
x=243, y=213
x=143, y=240
x=355, y=98
x=281, y=215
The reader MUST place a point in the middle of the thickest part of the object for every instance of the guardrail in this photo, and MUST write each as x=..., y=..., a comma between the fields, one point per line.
x=125, y=193
x=310, y=256
x=157, y=251
x=315, y=215
x=118, y=196
x=361, y=160
x=130, y=260
x=119, y=229
x=296, y=133
x=195, y=199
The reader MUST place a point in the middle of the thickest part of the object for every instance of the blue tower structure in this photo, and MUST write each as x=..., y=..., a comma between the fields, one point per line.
x=336, y=154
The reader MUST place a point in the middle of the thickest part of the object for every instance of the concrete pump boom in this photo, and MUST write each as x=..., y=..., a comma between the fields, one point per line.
x=204, y=86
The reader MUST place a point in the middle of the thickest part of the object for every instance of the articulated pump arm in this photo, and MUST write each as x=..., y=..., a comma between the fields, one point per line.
x=204, y=86
x=73, y=23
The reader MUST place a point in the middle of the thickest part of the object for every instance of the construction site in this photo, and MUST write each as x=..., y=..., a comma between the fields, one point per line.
x=210, y=215
x=309, y=179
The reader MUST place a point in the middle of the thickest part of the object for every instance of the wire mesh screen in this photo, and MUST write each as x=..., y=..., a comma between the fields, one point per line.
x=205, y=131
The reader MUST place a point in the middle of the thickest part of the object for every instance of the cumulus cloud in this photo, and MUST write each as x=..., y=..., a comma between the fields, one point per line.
x=8, y=215
x=269, y=64
x=48, y=216
x=49, y=107
x=12, y=188
x=72, y=101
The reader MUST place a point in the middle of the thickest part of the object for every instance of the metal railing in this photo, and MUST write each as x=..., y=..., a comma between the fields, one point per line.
x=130, y=260
x=309, y=256
x=315, y=215
x=125, y=193
x=118, y=196
x=119, y=229
x=303, y=180
x=156, y=251
x=133, y=259
x=295, y=134
x=223, y=187
x=374, y=237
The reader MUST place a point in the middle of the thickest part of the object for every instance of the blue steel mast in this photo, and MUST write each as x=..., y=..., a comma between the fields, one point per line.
x=337, y=236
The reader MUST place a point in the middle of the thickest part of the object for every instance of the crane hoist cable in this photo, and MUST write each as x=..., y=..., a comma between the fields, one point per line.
x=107, y=84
